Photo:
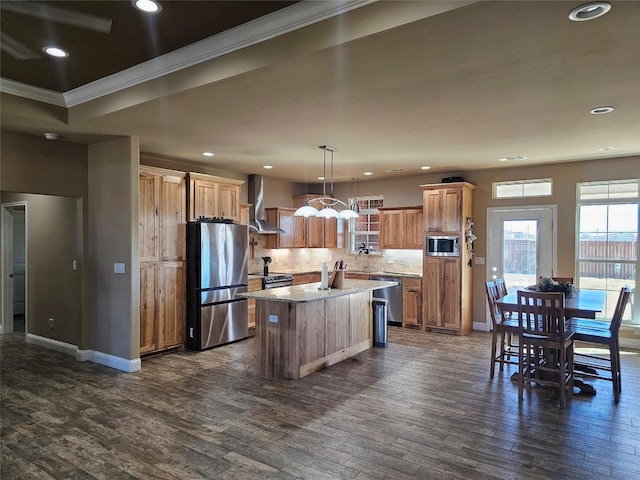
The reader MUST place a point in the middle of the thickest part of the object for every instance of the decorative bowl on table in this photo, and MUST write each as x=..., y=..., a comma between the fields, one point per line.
x=547, y=284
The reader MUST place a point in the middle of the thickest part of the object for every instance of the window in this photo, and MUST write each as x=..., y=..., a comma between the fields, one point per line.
x=366, y=228
x=607, y=249
x=523, y=188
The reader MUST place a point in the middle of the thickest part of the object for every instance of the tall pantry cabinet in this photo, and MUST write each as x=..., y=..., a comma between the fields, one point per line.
x=162, y=217
x=447, y=281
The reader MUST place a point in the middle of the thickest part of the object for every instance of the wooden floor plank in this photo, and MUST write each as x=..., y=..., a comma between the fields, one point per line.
x=422, y=408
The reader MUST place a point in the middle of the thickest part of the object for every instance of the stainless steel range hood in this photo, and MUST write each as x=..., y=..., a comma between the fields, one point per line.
x=257, y=217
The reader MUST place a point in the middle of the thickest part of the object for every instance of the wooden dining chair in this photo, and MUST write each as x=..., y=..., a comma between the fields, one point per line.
x=502, y=328
x=502, y=287
x=545, y=346
x=602, y=333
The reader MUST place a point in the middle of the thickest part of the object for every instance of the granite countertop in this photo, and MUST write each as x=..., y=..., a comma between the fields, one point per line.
x=377, y=273
x=309, y=292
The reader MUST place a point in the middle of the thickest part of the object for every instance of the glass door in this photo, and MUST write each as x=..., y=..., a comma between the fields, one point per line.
x=521, y=244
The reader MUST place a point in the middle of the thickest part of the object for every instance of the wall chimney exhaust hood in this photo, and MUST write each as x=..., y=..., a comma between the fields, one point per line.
x=257, y=217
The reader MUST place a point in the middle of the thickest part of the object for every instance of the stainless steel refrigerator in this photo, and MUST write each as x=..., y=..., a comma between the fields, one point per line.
x=217, y=263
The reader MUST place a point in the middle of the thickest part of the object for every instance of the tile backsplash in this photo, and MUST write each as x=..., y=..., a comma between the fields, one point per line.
x=311, y=259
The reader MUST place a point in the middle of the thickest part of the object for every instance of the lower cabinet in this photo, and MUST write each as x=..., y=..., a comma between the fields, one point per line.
x=253, y=285
x=302, y=278
x=162, y=306
x=412, y=302
x=442, y=294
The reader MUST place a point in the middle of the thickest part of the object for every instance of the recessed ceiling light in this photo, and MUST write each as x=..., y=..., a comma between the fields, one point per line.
x=426, y=167
x=50, y=136
x=368, y=173
x=513, y=158
x=55, y=52
x=149, y=6
x=320, y=177
x=589, y=11
x=208, y=154
x=267, y=167
x=396, y=170
x=601, y=110
x=606, y=149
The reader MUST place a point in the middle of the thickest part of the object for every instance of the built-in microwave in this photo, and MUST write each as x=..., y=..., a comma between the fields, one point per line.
x=442, y=245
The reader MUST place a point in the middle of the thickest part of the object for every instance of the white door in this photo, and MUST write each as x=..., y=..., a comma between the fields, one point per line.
x=521, y=244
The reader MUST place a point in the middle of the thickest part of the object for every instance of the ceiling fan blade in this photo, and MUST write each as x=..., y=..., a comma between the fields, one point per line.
x=60, y=15
x=16, y=49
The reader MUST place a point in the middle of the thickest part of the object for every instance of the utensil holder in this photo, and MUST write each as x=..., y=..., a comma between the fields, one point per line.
x=338, y=279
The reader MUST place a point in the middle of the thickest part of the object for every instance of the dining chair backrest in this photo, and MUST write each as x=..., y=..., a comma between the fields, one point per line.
x=541, y=313
x=502, y=287
x=616, y=319
x=492, y=297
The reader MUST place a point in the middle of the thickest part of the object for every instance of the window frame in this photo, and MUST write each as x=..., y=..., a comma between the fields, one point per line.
x=608, y=201
x=522, y=183
x=353, y=249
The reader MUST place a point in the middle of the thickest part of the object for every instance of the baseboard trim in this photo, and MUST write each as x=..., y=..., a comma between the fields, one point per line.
x=631, y=343
x=481, y=326
x=106, y=359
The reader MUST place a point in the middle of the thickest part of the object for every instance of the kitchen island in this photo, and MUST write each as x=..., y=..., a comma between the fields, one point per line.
x=301, y=329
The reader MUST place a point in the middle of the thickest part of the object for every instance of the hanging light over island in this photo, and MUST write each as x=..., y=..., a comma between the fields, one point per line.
x=328, y=202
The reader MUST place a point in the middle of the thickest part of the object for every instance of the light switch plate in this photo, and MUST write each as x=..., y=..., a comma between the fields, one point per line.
x=118, y=268
x=479, y=260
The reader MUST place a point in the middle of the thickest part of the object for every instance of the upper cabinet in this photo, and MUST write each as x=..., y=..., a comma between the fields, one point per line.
x=401, y=227
x=446, y=205
x=301, y=232
x=211, y=196
x=294, y=228
x=319, y=232
x=162, y=214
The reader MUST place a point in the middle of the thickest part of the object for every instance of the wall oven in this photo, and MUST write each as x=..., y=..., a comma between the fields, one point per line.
x=442, y=245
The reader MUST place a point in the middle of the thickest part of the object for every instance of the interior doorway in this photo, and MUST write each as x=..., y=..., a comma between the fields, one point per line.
x=14, y=267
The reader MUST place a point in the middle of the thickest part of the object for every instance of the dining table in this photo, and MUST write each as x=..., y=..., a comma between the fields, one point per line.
x=583, y=303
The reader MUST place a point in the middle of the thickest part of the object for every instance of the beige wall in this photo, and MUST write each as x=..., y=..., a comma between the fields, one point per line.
x=58, y=171
x=114, y=299
x=54, y=289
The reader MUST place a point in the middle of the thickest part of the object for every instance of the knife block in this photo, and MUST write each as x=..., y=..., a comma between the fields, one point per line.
x=338, y=279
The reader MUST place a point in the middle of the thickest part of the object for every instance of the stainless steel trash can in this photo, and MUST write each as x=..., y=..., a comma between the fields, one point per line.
x=380, y=330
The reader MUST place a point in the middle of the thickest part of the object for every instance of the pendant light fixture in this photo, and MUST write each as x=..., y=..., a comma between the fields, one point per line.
x=328, y=202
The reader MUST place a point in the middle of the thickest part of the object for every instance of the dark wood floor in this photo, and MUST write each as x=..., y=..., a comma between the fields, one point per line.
x=422, y=408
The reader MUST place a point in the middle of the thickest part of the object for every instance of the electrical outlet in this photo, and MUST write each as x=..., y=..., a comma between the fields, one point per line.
x=389, y=259
x=51, y=323
x=273, y=319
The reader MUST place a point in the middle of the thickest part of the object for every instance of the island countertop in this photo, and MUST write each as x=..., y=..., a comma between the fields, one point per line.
x=310, y=292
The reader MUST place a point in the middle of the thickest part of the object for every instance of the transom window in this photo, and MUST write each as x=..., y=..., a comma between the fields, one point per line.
x=523, y=188
x=607, y=240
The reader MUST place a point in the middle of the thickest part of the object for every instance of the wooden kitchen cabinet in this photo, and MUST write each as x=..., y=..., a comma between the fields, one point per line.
x=447, y=281
x=211, y=196
x=412, y=302
x=162, y=306
x=302, y=278
x=244, y=213
x=253, y=285
x=401, y=227
x=294, y=228
x=162, y=215
x=319, y=232
x=442, y=208
x=442, y=293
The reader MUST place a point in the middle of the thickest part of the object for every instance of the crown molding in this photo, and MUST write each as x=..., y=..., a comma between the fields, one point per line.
x=259, y=30
x=32, y=93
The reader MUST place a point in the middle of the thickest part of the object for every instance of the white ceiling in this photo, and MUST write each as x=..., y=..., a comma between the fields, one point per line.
x=455, y=90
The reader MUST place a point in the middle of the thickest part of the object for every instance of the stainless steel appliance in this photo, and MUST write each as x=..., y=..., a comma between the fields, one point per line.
x=275, y=281
x=393, y=295
x=442, y=245
x=217, y=262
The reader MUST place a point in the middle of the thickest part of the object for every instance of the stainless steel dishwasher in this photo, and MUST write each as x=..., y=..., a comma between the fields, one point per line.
x=393, y=296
